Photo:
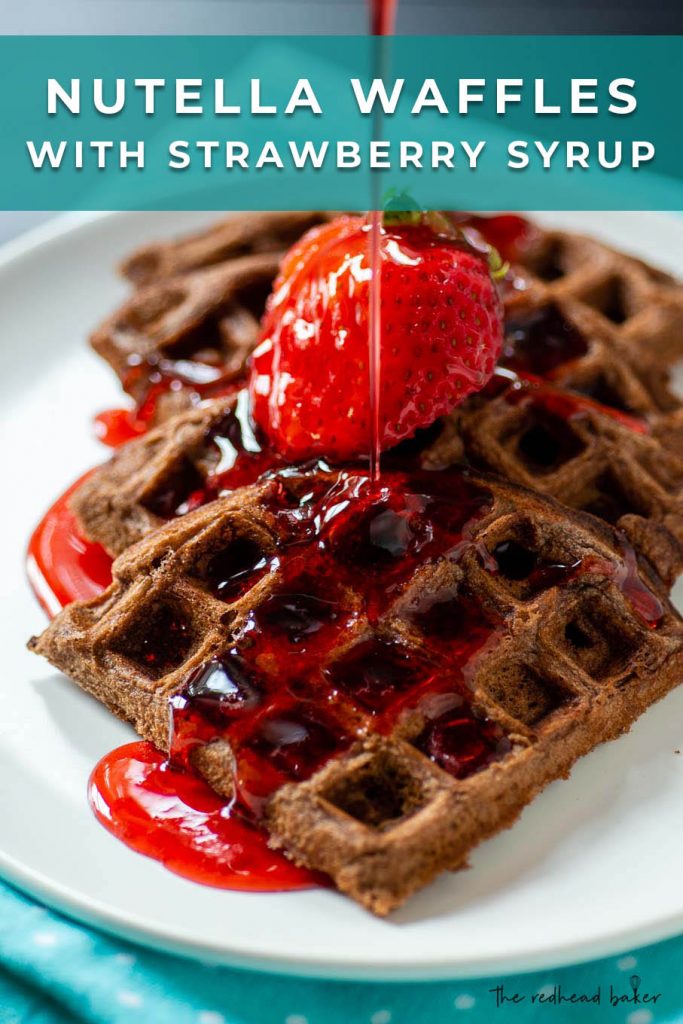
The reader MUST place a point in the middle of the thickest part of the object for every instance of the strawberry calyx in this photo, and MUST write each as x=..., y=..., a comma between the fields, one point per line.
x=498, y=267
x=401, y=211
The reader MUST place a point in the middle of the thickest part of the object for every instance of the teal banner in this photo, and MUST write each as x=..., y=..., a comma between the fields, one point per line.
x=236, y=122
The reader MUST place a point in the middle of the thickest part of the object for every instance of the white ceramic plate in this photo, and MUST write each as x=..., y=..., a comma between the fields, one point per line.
x=592, y=867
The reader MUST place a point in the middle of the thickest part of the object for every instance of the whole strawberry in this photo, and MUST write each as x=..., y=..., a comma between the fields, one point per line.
x=441, y=334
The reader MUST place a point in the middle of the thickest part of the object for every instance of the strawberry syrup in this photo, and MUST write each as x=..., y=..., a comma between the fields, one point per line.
x=382, y=21
x=382, y=17
x=375, y=341
x=115, y=427
x=565, y=406
x=174, y=817
x=62, y=566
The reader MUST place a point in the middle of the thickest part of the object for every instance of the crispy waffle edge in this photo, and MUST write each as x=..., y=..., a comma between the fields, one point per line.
x=114, y=506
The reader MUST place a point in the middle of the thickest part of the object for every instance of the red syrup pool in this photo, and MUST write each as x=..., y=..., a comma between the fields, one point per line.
x=62, y=566
x=176, y=818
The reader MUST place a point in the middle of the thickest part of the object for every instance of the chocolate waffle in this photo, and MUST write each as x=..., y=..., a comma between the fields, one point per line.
x=241, y=234
x=591, y=320
x=633, y=310
x=148, y=480
x=565, y=342
x=583, y=454
x=586, y=456
x=194, y=319
x=382, y=678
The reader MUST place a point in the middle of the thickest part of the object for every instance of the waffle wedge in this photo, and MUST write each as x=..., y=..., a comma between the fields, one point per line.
x=380, y=678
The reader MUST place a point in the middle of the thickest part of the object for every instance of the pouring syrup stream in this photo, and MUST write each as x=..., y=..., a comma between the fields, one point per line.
x=382, y=20
x=382, y=17
x=375, y=339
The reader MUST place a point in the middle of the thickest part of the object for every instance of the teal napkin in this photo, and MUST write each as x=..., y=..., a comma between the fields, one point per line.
x=55, y=972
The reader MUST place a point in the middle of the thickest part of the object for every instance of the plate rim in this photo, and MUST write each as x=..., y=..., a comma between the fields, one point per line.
x=124, y=925
x=107, y=919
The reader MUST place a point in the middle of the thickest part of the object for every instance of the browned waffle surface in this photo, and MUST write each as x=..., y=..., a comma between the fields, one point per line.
x=238, y=235
x=584, y=456
x=197, y=329
x=384, y=678
x=147, y=480
x=636, y=304
x=191, y=325
x=563, y=341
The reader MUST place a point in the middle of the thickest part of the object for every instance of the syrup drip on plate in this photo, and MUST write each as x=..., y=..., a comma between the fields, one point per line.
x=176, y=818
x=115, y=427
x=62, y=566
